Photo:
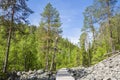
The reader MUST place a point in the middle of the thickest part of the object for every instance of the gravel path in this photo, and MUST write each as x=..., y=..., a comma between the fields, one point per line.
x=63, y=74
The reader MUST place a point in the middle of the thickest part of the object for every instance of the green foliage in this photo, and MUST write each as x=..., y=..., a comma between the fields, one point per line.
x=104, y=38
x=22, y=44
x=67, y=54
x=13, y=12
x=3, y=76
x=100, y=52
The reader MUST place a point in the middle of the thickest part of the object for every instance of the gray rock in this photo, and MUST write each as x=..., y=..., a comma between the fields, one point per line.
x=19, y=73
x=40, y=71
x=108, y=69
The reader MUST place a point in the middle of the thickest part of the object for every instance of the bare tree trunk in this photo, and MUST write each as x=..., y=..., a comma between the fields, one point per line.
x=48, y=45
x=8, y=43
x=25, y=63
x=7, y=52
x=53, y=63
x=47, y=52
x=89, y=55
x=93, y=34
x=47, y=62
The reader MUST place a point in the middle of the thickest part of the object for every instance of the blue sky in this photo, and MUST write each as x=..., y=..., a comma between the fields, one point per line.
x=71, y=13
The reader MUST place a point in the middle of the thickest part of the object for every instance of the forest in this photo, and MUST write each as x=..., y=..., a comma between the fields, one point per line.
x=25, y=47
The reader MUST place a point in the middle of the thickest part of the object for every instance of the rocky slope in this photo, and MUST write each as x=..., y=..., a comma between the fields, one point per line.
x=36, y=75
x=108, y=69
x=30, y=75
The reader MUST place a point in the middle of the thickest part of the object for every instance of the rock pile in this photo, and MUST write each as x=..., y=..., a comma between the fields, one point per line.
x=108, y=69
x=32, y=75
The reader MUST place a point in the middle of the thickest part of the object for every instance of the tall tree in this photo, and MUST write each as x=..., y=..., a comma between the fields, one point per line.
x=13, y=12
x=105, y=11
x=89, y=21
x=102, y=15
x=50, y=24
x=83, y=39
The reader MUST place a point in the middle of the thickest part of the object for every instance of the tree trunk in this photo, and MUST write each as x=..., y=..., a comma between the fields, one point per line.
x=8, y=42
x=89, y=56
x=110, y=27
x=48, y=45
x=78, y=58
x=7, y=52
x=47, y=61
x=25, y=63
x=53, y=63
x=118, y=34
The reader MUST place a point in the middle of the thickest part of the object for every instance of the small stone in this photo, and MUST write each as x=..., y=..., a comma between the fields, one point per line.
x=19, y=73
x=110, y=66
x=40, y=71
x=30, y=72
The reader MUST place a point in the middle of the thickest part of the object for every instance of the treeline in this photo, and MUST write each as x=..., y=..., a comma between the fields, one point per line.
x=27, y=52
x=101, y=31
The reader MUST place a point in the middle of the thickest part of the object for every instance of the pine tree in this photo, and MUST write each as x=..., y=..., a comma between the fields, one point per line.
x=105, y=10
x=13, y=12
x=83, y=38
x=50, y=24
